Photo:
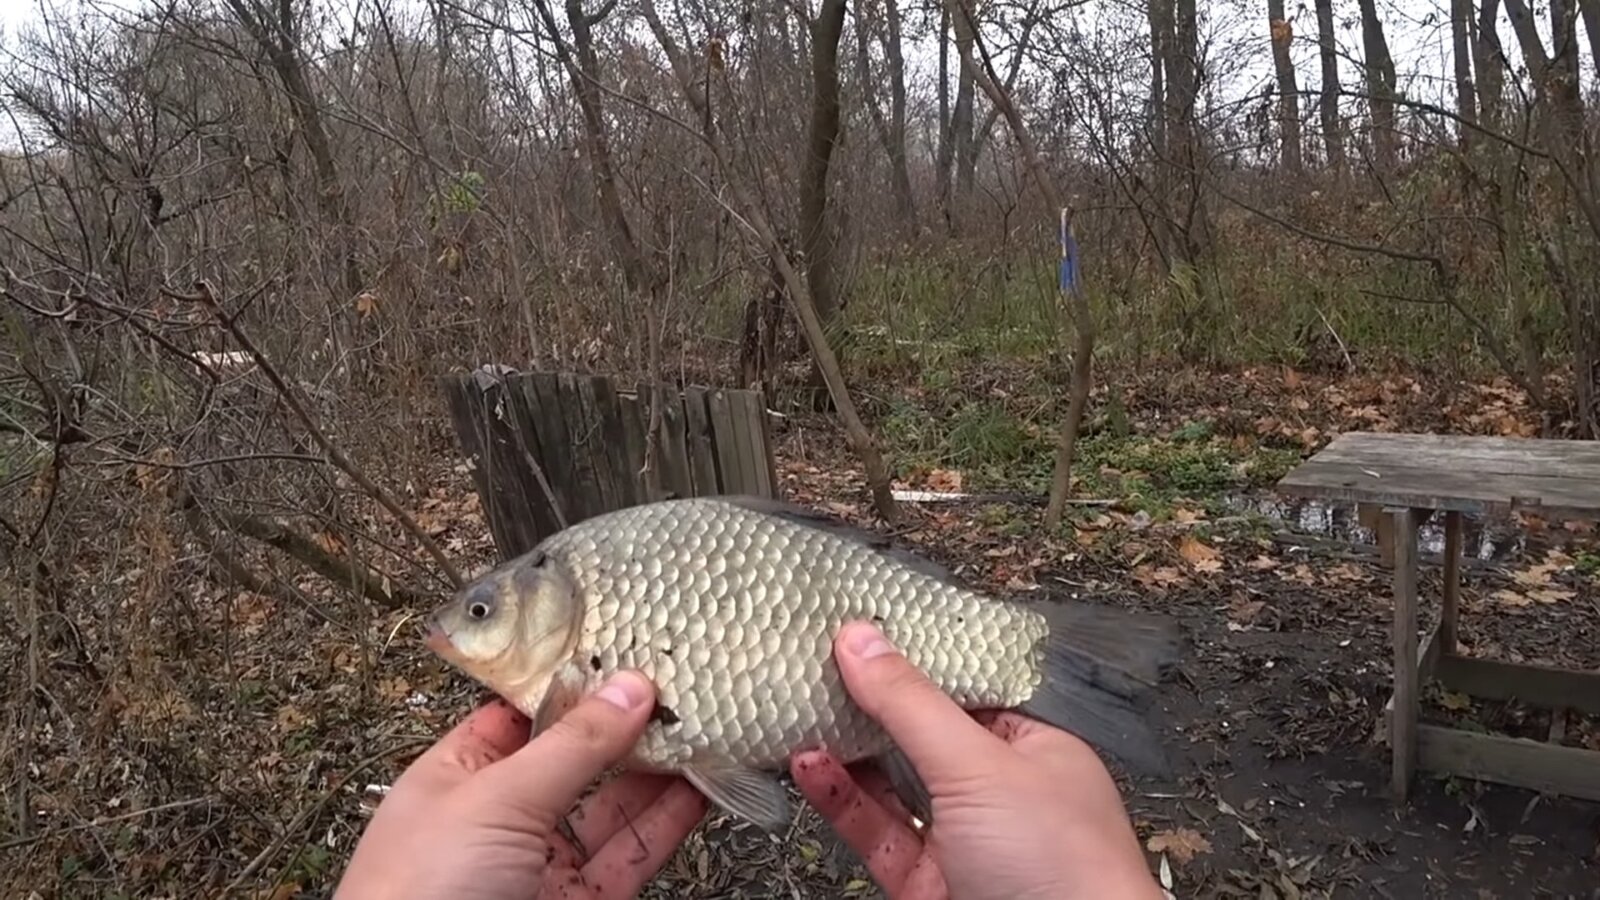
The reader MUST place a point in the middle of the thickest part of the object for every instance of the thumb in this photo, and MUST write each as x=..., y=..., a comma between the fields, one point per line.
x=938, y=736
x=552, y=771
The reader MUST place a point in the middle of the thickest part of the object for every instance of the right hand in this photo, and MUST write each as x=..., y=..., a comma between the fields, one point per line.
x=1020, y=809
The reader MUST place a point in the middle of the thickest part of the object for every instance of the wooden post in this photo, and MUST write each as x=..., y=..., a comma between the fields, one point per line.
x=1452, y=582
x=1403, y=719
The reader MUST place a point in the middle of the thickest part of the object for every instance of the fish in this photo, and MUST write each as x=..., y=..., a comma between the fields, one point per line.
x=730, y=605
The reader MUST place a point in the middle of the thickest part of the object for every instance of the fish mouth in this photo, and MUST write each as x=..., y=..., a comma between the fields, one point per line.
x=437, y=639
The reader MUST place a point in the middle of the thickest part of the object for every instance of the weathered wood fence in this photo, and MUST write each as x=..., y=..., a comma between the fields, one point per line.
x=550, y=449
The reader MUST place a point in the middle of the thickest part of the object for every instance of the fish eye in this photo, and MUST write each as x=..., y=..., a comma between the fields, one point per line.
x=478, y=610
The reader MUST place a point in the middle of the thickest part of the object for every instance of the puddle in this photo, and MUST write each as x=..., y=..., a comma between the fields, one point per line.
x=1486, y=540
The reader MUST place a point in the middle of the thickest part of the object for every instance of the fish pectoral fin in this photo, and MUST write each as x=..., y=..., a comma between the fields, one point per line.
x=750, y=794
x=907, y=784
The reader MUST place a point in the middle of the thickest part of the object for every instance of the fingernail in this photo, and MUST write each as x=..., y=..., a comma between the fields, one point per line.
x=625, y=691
x=866, y=642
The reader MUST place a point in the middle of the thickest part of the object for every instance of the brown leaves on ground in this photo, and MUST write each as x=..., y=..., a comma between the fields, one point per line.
x=1182, y=844
x=1536, y=584
x=1201, y=557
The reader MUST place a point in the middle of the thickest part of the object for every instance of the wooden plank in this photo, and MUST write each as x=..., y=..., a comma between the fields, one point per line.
x=636, y=427
x=676, y=478
x=542, y=397
x=1450, y=604
x=1567, y=771
x=1403, y=724
x=1510, y=456
x=543, y=498
x=1428, y=659
x=1426, y=488
x=496, y=461
x=702, y=449
x=593, y=494
x=752, y=412
x=1539, y=685
x=769, y=448
x=633, y=409
x=726, y=441
x=601, y=439
x=746, y=427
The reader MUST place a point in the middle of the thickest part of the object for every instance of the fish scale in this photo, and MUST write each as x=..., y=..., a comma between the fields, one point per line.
x=731, y=604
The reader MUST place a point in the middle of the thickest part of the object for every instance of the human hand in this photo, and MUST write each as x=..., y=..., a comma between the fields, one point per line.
x=1020, y=809
x=477, y=815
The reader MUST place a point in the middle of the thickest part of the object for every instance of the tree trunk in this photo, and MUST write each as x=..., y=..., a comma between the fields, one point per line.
x=1332, y=131
x=1590, y=10
x=275, y=35
x=1288, y=90
x=856, y=432
x=1562, y=122
x=892, y=130
x=1183, y=95
x=816, y=239
x=1083, y=319
x=1488, y=62
x=945, y=159
x=1157, y=15
x=962, y=118
x=1461, y=51
x=1380, y=87
x=583, y=68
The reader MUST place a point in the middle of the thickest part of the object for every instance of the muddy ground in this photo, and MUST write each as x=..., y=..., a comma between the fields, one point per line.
x=252, y=769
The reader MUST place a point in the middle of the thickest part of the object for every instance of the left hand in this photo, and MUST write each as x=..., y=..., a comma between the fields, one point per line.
x=477, y=815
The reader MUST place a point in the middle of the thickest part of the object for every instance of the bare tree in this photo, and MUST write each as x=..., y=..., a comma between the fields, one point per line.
x=1282, y=35
x=1332, y=128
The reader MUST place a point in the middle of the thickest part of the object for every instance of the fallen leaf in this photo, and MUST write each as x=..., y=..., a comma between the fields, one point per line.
x=1345, y=572
x=1153, y=576
x=1182, y=843
x=1511, y=598
x=1262, y=563
x=1535, y=576
x=366, y=303
x=1202, y=557
x=944, y=480
x=1455, y=701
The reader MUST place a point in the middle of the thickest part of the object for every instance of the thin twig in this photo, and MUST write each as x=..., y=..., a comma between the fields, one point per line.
x=207, y=297
x=14, y=843
x=306, y=815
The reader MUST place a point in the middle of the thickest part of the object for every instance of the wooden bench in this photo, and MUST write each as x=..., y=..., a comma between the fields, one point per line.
x=1402, y=480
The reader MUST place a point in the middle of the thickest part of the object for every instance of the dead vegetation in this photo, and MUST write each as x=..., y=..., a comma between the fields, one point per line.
x=242, y=240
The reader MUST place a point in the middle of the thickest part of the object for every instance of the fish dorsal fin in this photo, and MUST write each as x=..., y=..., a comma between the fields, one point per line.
x=753, y=795
x=811, y=518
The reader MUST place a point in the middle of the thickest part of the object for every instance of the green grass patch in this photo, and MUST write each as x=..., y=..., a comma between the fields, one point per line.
x=995, y=448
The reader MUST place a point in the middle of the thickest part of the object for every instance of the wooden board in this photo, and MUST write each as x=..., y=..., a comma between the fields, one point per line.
x=1569, y=771
x=496, y=461
x=1478, y=475
x=545, y=391
x=1470, y=453
x=1537, y=685
x=588, y=438
x=1425, y=486
x=702, y=449
x=725, y=437
x=676, y=479
x=1407, y=684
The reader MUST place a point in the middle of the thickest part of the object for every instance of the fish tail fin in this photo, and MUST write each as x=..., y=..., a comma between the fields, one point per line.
x=1097, y=662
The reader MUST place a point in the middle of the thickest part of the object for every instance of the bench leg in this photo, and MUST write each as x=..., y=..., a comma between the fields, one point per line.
x=1452, y=582
x=1403, y=721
